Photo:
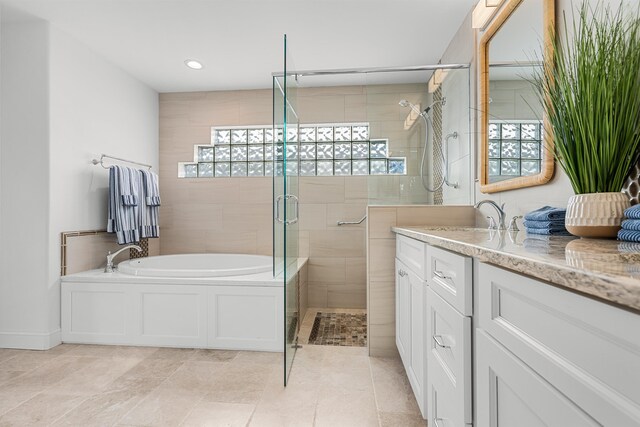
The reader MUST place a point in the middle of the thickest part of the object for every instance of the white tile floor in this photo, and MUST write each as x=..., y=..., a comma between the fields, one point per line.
x=88, y=385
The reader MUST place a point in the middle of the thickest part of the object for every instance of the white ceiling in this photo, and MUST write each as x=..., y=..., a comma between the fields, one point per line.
x=240, y=41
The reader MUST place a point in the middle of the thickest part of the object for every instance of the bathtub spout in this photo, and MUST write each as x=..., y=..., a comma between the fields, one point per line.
x=109, y=268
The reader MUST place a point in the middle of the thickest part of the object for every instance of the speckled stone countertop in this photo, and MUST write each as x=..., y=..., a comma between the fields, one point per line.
x=607, y=269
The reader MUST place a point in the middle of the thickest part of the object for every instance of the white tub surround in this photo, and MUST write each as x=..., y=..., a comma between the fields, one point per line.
x=242, y=312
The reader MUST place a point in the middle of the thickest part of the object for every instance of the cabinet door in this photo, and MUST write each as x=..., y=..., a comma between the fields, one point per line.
x=417, y=360
x=410, y=328
x=510, y=393
x=588, y=350
x=403, y=313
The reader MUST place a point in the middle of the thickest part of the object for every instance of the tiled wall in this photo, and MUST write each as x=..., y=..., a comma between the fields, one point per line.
x=303, y=291
x=455, y=118
x=514, y=99
x=336, y=253
x=381, y=250
x=235, y=214
x=87, y=250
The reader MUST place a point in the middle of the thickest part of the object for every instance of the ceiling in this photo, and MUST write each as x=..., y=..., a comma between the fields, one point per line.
x=240, y=41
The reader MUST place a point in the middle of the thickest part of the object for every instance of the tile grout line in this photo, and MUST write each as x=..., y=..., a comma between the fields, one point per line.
x=375, y=395
x=255, y=407
x=19, y=404
x=123, y=416
x=19, y=376
x=101, y=392
x=181, y=423
x=75, y=407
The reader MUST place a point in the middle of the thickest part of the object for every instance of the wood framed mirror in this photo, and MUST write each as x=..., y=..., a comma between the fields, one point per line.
x=516, y=147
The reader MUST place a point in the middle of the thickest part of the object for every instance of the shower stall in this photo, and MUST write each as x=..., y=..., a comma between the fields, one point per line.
x=389, y=136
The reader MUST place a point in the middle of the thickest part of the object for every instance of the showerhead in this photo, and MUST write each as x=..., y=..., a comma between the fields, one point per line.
x=405, y=103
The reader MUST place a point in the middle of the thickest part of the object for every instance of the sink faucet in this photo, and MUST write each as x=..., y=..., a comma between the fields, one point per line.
x=500, y=209
x=109, y=268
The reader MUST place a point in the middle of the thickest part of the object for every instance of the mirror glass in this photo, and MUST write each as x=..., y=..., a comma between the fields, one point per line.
x=513, y=113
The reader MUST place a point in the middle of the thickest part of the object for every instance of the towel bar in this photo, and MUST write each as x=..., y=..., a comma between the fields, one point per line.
x=352, y=222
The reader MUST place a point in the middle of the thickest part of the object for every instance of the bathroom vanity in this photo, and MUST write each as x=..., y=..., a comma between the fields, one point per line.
x=498, y=328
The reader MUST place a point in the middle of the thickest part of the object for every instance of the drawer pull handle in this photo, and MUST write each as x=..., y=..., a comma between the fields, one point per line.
x=402, y=273
x=436, y=423
x=441, y=275
x=440, y=341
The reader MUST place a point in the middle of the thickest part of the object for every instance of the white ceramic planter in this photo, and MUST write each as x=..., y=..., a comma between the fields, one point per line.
x=596, y=215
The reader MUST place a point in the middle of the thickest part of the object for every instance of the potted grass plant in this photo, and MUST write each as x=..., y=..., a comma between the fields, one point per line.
x=591, y=95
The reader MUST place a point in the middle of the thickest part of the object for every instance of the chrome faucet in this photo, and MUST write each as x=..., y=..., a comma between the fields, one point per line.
x=500, y=209
x=109, y=268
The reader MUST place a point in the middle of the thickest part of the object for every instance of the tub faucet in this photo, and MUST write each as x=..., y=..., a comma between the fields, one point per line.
x=109, y=268
x=500, y=209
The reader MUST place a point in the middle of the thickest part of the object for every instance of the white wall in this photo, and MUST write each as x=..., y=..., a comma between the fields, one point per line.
x=95, y=108
x=459, y=115
x=62, y=105
x=455, y=118
x=24, y=172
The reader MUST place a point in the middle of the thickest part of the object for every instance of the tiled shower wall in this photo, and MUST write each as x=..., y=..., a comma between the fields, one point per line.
x=235, y=214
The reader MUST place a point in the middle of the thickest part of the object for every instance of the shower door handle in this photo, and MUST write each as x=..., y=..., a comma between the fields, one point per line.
x=280, y=197
x=296, y=203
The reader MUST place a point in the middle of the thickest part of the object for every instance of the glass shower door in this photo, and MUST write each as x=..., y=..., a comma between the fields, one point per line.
x=285, y=191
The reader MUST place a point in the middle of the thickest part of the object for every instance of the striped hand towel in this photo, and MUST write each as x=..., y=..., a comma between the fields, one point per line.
x=545, y=224
x=546, y=213
x=150, y=200
x=129, y=186
x=629, y=235
x=122, y=213
x=548, y=231
x=633, y=212
x=631, y=224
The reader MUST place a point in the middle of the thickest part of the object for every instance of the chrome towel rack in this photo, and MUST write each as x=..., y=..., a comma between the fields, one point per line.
x=352, y=222
x=106, y=156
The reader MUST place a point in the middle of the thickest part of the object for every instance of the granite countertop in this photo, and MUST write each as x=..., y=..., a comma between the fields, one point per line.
x=606, y=269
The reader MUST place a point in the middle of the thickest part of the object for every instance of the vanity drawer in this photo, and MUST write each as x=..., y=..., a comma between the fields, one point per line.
x=412, y=253
x=448, y=361
x=442, y=408
x=449, y=275
x=588, y=350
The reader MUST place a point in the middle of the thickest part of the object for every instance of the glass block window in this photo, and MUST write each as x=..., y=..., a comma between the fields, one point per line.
x=515, y=148
x=341, y=149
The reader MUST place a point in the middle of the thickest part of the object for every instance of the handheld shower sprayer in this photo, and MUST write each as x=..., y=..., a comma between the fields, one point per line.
x=427, y=120
x=405, y=103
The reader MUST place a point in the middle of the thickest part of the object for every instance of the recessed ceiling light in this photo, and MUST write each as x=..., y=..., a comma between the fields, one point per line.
x=193, y=64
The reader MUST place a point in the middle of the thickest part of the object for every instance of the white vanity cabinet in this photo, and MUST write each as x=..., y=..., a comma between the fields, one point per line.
x=549, y=357
x=499, y=348
x=410, y=320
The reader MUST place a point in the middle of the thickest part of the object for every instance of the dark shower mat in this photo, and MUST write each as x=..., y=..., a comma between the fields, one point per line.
x=343, y=329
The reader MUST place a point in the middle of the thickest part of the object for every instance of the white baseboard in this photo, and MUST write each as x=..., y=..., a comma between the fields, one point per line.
x=30, y=340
